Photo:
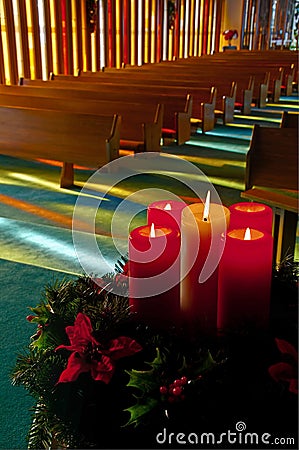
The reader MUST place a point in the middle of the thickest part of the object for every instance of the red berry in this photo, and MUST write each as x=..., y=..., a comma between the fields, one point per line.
x=177, y=391
x=171, y=399
x=177, y=383
x=163, y=390
x=184, y=380
x=29, y=318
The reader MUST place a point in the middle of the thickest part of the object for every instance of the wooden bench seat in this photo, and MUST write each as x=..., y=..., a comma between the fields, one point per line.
x=176, y=105
x=141, y=127
x=226, y=95
x=72, y=138
x=234, y=68
x=199, y=75
x=272, y=178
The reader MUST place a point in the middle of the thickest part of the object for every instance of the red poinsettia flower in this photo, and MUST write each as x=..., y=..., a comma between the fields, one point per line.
x=88, y=355
x=286, y=371
x=230, y=34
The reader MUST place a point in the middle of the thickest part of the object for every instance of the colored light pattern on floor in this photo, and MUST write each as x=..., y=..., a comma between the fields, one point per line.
x=36, y=214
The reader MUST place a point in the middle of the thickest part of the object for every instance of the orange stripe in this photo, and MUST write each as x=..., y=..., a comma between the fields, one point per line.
x=37, y=210
x=59, y=164
x=54, y=217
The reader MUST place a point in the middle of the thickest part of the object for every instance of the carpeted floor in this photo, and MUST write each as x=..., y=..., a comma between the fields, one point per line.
x=36, y=245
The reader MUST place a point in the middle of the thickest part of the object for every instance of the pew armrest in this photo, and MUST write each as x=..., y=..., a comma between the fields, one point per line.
x=183, y=127
x=287, y=200
x=247, y=101
x=275, y=94
x=152, y=136
x=263, y=95
x=208, y=116
x=112, y=143
x=228, y=109
x=207, y=120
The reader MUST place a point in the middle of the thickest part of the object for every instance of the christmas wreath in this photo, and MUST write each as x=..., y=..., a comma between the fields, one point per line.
x=101, y=379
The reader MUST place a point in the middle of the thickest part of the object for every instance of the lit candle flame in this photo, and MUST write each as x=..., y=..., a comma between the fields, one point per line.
x=247, y=235
x=207, y=206
x=167, y=207
x=152, y=232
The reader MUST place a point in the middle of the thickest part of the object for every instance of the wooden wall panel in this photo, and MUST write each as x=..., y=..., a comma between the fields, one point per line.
x=48, y=37
x=131, y=32
x=24, y=34
x=2, y=72
x=11, y=38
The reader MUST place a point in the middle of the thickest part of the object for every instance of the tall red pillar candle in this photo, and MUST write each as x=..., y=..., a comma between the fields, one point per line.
x=153, y=269
x=201, y=248
x=245, y=273
x=252, y=215
x=168, y=213
x=165, y=213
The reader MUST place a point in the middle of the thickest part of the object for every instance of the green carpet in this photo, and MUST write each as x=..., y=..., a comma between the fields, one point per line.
x=36, y=239
x=21, y=286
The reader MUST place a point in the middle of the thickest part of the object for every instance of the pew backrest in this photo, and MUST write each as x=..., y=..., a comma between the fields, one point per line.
x=71, y=138
x=139, y=124
x=272, y=164
x=289, y=120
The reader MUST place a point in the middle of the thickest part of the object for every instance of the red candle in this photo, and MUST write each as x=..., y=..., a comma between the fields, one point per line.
x=252, y=215
x=201, y=249
x=153, y=269
x=168, y=213
x=245, y=273
x=165, y=213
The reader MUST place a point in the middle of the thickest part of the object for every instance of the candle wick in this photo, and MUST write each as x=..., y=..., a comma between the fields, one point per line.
x=207, y=207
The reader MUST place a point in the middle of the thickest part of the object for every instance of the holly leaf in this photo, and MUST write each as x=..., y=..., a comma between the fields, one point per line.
x=138, y=411
x=158, y=361
x=142, y=380
x=43, y=342
x=146, y=380
x=197, y=367
x=208, y=362
x=43, y=313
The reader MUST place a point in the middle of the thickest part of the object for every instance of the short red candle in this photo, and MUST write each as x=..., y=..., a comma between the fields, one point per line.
x=252, y=215
x=165, y=213
x=245, y=273
x=153, y=270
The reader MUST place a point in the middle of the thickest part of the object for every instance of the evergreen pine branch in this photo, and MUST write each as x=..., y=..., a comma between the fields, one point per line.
x=38, y=372
x=288, y=271
x=47, y=430
x=40, y=434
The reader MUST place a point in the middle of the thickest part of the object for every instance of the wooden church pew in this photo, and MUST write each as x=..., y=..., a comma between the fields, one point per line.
x=176, y=105
x=225, y=92
x=72, y=138
x=289, y=120
x=141, y=128
x=272, y=178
